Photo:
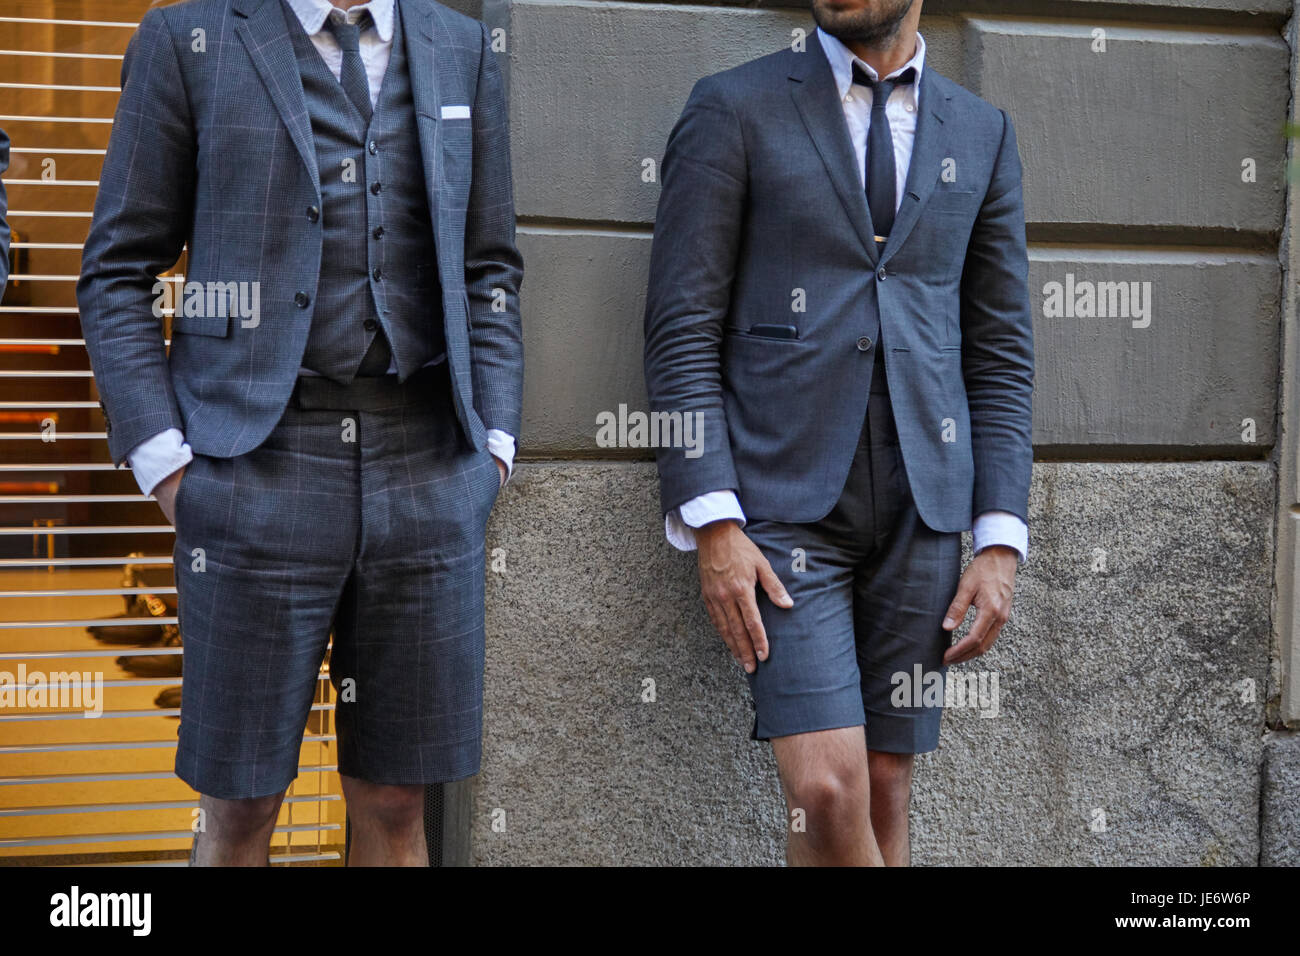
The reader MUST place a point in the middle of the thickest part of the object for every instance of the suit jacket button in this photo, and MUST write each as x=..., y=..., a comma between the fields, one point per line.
x=881, y=273
x=313, y=214
x=302, y=300
x=370, y=325
x=864, y=344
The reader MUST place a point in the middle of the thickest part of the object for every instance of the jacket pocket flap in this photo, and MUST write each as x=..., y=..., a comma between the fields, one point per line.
x=215, y=325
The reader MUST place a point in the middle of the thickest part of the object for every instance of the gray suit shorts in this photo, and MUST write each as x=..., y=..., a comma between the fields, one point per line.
x=870, y=584
x=367, y=521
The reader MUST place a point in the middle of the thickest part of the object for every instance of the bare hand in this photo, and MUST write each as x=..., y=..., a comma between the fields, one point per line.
x=987, y=583
x=165, y=493
x=501, y=467
x=730, y=568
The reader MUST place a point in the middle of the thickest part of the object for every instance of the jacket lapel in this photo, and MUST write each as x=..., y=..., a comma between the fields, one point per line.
x=927, y=157
x=420, y=27
x=265, y=35
x=818, y=102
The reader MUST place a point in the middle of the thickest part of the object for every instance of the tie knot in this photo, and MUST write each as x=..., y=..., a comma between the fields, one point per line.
x=348, y=34
x=881, y=89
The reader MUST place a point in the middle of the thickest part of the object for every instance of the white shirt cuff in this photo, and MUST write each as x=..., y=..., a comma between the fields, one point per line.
x=680, y=523
x=502, y=445
x=155, y=458
x=1001, y=527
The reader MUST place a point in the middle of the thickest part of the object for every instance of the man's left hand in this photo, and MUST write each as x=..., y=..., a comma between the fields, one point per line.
x=987, y=583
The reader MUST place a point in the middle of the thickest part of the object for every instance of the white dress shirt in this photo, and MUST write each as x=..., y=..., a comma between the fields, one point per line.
x=991, y=527
x=155, y=458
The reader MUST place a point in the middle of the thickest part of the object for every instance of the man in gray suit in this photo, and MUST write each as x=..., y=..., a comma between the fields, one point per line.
x=339, y=406
x=838, y=294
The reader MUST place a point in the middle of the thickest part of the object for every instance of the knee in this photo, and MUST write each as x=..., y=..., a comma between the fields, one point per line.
x=390, y=807
x=243, y=818
x=829, y=795
x=891, y=779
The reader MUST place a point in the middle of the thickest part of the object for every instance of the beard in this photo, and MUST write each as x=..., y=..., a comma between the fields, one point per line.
x=875, y=26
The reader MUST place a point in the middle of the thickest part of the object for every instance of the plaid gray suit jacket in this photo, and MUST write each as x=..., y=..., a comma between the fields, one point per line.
x=212, y=146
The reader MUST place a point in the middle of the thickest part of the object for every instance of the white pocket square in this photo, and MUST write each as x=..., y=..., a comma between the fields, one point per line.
x=455, y=112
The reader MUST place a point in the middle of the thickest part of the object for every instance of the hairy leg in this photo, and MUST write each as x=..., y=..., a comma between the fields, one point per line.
x=827, y=790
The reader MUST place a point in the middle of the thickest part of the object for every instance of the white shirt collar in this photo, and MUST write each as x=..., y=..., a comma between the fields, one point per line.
x=312, y=13
x=842, y=59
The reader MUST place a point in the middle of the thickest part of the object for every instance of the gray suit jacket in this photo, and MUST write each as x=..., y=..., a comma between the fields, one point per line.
x=761, y=197
x=214, y=148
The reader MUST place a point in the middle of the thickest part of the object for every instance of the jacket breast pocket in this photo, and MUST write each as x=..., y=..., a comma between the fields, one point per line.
x=457, y=149
x=955, y=202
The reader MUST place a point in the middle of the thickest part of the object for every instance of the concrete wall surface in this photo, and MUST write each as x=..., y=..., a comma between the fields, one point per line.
x=1129, y=696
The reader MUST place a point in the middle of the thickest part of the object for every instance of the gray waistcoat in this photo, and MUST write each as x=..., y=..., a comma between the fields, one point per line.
x=378, y=265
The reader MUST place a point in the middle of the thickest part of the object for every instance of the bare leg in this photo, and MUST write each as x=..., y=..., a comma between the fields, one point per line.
x=235, y=832
x=891, y=795
x=825, y=778
x=387, y=823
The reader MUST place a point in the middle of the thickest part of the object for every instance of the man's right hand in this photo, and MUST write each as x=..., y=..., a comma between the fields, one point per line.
x=730, y=568
x=165, y=493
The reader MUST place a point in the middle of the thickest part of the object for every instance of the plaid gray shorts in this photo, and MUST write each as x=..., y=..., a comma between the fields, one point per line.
x=367, y=520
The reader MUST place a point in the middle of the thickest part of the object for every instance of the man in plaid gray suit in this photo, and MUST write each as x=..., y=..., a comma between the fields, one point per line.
x=339, y=406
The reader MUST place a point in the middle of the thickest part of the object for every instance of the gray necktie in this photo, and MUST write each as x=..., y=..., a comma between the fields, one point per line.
x=882, y=193
x=353, y=76
x=356, y=85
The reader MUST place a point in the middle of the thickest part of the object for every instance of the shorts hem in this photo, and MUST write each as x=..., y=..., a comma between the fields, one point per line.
x=813, y=727
x=425, y=779
x=222, y=788
x=899, y=734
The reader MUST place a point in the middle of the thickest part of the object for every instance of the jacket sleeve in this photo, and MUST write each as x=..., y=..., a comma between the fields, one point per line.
x=494, y=269
x=143, y=213
x=692, y=264
x=998, y=341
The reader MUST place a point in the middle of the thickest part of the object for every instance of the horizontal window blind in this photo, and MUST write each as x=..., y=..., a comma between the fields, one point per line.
x=90, y=680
